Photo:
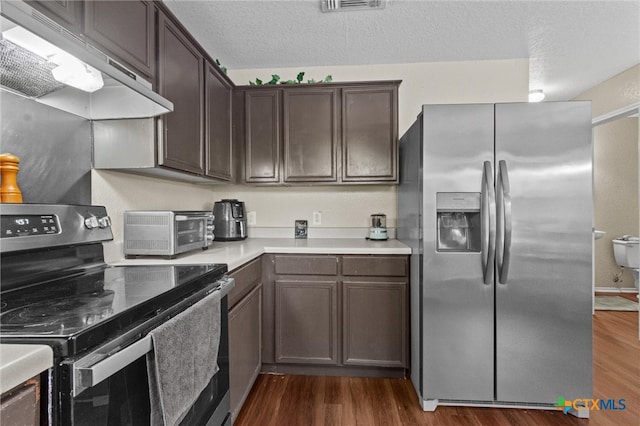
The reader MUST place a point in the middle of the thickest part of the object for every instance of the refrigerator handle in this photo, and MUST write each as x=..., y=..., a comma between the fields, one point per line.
x=488, y=223
x=504, y=222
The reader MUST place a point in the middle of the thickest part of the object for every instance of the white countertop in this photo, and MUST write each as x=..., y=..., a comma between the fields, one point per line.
x=19, y=363
x=237, y=253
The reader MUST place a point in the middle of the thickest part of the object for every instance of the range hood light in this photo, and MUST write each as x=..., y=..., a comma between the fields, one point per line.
x=75, y=73
x=70, y=71
x=27, y=40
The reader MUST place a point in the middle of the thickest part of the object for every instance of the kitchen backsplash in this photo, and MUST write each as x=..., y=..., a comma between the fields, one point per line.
x=276, y=208
x=54, y=148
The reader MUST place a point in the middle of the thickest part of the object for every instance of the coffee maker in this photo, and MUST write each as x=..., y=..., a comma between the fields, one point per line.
x=378, y=229
x=230, y=220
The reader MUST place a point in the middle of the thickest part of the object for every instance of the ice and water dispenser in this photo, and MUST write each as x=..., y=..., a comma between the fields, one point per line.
x=459, y=222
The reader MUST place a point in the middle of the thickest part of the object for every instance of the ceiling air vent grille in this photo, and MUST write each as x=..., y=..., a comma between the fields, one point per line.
x=343, y=5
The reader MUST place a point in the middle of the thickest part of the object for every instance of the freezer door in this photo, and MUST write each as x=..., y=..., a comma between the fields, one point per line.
x=457, y=305
x=543, y=284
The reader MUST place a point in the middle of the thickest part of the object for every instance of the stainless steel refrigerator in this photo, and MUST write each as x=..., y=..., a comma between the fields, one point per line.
x=496, y=202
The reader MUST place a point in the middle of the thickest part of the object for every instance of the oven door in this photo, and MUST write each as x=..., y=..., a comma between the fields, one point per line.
x=115, y=390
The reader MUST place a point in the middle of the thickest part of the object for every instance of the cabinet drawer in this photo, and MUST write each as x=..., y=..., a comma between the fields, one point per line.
x=306, y=265
x=247, y=277
x=381, y=266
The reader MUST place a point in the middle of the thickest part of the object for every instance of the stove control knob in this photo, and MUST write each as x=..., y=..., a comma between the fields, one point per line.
x=91, y=222
x=104, y=222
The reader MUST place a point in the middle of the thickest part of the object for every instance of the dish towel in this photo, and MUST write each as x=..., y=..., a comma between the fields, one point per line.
x=183, y=360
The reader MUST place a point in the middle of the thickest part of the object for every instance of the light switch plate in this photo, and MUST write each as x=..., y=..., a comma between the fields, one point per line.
x=317, y=218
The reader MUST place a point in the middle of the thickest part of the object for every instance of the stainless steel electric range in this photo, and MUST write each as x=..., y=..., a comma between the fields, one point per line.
x=56, y=289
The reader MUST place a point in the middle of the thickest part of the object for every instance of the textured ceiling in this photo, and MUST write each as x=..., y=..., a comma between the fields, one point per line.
x=572, y=45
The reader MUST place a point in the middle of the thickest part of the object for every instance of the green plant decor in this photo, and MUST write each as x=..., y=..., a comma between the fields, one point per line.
x=224, y=69
x=275, y=79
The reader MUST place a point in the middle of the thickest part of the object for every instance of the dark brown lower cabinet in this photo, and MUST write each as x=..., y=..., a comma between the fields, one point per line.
x=306, y=330
x=374, y=323
x=244, y=347
x=335, y=314
x=21, y=405
x=245, y=332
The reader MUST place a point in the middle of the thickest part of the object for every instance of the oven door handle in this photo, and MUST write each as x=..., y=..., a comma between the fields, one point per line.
x=94, y=368
x=86, y=377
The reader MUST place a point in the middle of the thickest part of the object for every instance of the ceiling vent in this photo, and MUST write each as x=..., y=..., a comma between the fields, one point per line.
x=344, y=5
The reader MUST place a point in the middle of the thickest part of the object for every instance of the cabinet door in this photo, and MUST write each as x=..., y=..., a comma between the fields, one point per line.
x=218, y=125
x=180, y=79
x=374, y=323
x=67, y=13
x=125, y=29
x=310, y=135
x=21, y=406
x=306, y=315
x=262, y=136
x=370, y=134
x=245, y=330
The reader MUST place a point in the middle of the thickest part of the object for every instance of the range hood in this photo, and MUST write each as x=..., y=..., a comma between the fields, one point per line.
x=23, y=72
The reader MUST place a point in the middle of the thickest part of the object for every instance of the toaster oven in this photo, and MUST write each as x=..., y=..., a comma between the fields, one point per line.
x=166, y=232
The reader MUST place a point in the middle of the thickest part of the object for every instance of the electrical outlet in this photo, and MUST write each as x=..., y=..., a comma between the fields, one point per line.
x=251, y=218
x=317, y=218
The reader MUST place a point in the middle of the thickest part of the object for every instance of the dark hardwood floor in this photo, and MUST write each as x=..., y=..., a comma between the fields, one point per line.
x=319, y=400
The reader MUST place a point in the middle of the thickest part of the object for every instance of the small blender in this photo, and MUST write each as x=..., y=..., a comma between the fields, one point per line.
x=378, y=230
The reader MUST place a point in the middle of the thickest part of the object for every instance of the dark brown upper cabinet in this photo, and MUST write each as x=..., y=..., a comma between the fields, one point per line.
x=262, y=132
x=370, y=134
x=218, y=125
x=310, y=134
x=336, y=133
x=124, y=29
x=66, y=13
x=181, y=80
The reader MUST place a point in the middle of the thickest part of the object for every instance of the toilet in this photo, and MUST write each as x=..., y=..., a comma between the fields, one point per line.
x=626, y=250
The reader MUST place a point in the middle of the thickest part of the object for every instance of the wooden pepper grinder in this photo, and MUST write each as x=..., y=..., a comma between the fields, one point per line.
x=9, y=191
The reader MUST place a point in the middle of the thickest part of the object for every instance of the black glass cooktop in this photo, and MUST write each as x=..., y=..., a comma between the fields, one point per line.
x=104, y=298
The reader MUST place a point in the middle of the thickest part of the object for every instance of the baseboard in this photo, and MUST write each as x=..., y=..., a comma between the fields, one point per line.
x=330, y=370
x=616, y=290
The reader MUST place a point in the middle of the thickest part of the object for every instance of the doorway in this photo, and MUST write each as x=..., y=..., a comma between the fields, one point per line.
x=616, y=193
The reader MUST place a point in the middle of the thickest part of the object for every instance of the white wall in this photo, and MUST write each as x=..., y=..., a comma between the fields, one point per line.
x=342, y=207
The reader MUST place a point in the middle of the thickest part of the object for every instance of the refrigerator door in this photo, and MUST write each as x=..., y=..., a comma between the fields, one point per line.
x=543, y=283
x=457, y=306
